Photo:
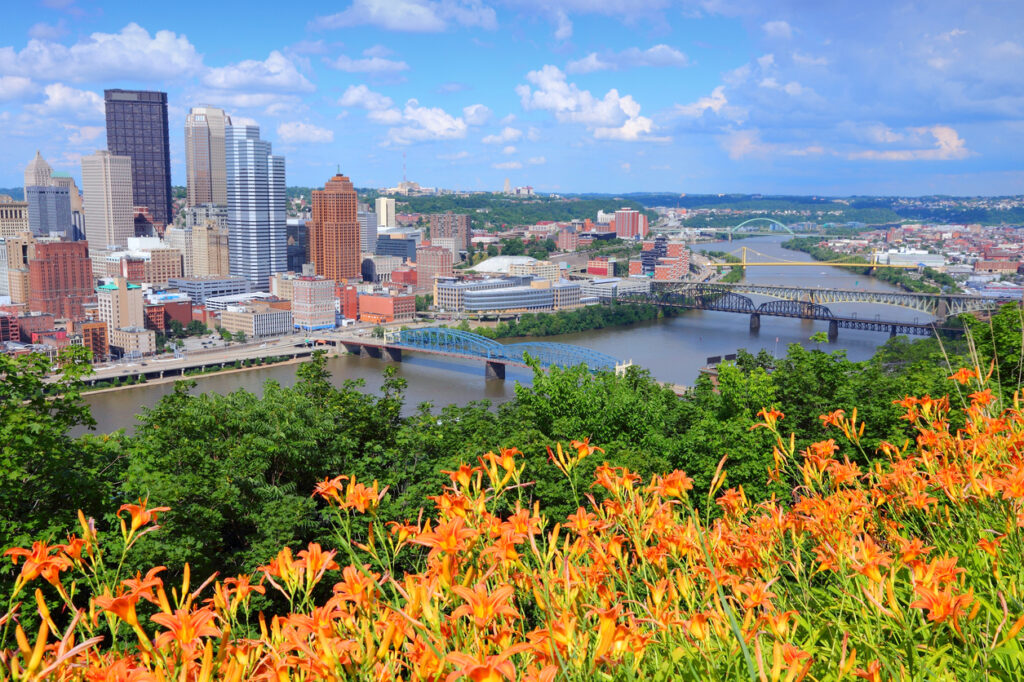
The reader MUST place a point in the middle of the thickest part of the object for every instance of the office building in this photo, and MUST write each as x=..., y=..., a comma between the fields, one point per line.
x=5, y=287
x=68, y=182
x=256, y=206
x=386, y=212
x=385, y=309
x=49, y=210
x=132, y=342
x=13, y=217
x=60, y=279
x=180, y=239
x=334, y=239
x=367, y=231
x=19, y=251
x=108, y=202
x=38, y=172
x=119, y=304
x=399, y=245
x=147, y=260
x=9, y=328
x=137, y=128
x=432, y=262
x=208, y=225
x=454, y=225
x=298, y=244
x=204, y=156
x=313, y=303
x=201, y=288
x=378, y=268
x=206, y=213
x=525, y=298
x=541, y=269
x=256, y=320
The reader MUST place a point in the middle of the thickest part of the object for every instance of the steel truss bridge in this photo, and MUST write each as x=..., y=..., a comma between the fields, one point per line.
x=939, y=306
x=727, y=298
x=462, y=344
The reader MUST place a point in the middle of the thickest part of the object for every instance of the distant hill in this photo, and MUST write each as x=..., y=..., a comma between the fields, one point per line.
x=18, y=193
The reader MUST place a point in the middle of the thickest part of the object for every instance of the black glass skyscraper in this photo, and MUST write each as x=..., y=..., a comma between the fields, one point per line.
x=137, y=127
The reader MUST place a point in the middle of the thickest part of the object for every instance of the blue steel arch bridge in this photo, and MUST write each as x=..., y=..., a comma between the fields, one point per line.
x=463, y=344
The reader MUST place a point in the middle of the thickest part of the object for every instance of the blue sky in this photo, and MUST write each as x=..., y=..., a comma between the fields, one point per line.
x=696, y=96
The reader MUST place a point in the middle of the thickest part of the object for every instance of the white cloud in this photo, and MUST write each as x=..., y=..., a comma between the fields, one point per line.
x=418, y=16
x=626, y=166
x=507, y=134
x=83, y=135
x=44, y=31
x=64, y=100
x=507, y=119
x=532, y=134
x=659, y=55
x=536, y=160
x=15, y=87
x=947, y=145
x=715, y=103
x=454, y=157
x=777, y=29
x=563, y=29
x=276, y=73
x=297, y=131
x=364, y=97
x=425, y=124
x=273, y=103
x=743, y=143
x=508, y=165
x=509, y=150
x=476, y=114
x=131, y=54
x=808, y=60
x=611, y=117
x=373, y=61
x=388, y=117
x=378, y=51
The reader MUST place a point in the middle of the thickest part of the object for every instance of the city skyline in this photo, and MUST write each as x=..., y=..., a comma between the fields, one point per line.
x=694, y=97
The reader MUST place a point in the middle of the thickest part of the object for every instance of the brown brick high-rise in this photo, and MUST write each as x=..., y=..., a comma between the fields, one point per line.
x=334, y=231
x=60, y=279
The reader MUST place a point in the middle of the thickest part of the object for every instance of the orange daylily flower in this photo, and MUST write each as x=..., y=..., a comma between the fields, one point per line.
x=483, y=605
x=140, y=515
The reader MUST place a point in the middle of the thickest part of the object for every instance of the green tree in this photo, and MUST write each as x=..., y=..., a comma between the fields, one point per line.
x=239, y=336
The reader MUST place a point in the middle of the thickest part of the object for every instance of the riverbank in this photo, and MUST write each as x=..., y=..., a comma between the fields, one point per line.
x=930, y=281
x=735, y=273
x=589, y=318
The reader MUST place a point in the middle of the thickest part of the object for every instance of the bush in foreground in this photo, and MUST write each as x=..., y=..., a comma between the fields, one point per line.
x=910, y=569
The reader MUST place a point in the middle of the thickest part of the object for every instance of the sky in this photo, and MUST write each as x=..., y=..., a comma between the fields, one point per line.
x=691, y=96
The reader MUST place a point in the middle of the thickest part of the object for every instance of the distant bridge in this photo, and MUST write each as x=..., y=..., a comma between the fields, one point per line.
x=939, y=306
x=717, y=297
x=462, y=344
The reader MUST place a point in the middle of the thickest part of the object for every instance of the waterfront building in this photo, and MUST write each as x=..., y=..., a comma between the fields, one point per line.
x=519, y=299
x=313, y=303
x=94, y=337
x=454, y=225
x=384, y=308
x=108, y=202
x=38, y=172
x=256, y=206
x=119, y=304
x=334, y=233
x=607, y=288
x=432, y=262
x=132, y=342
x=60, y=279
x=566, y=295
x=13, y=217
x=49, y=210
x=137, y=128
x=200, y=288
x=206, y=175
x=385, y=212
x=256, y=320
x=367, y=231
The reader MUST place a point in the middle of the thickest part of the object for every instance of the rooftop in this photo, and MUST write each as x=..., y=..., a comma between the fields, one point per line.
x=501, y=264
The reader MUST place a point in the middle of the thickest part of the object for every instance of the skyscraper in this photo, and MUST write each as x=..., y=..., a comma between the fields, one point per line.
x=451, y=225
x=204, y=156
x=109, y=209
x=38, y=172
x=386, y=212
x=256, y=206
x=137, y=128
x=334, y=234
x=367, y=231
x=49, y=210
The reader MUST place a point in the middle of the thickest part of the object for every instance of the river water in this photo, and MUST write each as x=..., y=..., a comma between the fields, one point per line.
x=674, y=350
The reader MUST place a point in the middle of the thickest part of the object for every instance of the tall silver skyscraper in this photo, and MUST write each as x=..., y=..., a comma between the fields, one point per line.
x=257, y=206
x=204, y=156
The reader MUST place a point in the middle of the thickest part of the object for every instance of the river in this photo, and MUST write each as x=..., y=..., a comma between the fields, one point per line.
x=674, y=349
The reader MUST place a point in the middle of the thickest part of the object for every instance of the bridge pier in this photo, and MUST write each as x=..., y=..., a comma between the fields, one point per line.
x=892, y=332
x=392, y=354
x=370, y=352
x=495, y=370
x=833, y=330
x=755, y=322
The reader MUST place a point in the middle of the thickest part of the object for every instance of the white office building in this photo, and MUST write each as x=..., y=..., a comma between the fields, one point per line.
x=257, y=218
